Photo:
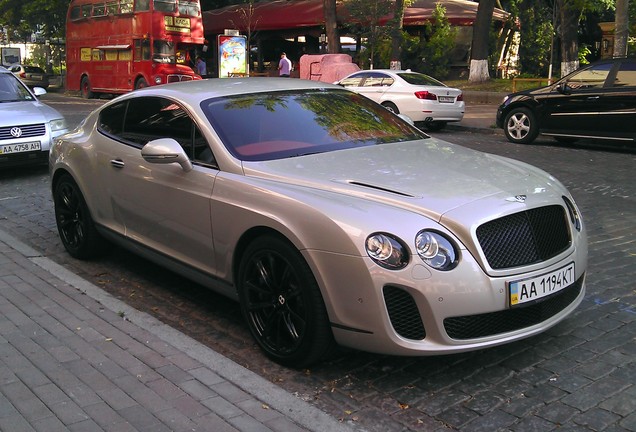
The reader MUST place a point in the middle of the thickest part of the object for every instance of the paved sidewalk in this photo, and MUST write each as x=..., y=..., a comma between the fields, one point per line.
x=74, y=358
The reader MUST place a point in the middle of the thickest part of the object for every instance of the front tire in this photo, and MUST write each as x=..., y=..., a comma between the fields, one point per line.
x=520, y=126
x=141, y=83
x=282, y=304
x=74, y=222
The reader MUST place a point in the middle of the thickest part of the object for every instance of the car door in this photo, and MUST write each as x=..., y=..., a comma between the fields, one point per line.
x=617, y=105
x=573, y=106
x=357, y=83
x=162, y=206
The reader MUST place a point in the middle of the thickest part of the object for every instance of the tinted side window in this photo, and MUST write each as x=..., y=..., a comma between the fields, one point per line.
x=152, y=118
x=111, y=119
x=354, y=81
x=591, y=78
x=626, y=75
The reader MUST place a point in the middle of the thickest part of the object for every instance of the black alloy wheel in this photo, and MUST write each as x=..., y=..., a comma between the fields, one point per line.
x=74, y=222
x=282, y=304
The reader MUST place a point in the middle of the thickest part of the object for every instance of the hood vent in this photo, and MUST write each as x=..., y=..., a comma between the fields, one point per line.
x=366, y=185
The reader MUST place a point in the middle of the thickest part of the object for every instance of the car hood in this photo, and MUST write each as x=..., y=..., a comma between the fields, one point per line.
x=25, y=113
x=429, y=176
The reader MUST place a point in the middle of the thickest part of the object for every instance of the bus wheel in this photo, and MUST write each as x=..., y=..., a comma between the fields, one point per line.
x=141, y=83
x=85, y=87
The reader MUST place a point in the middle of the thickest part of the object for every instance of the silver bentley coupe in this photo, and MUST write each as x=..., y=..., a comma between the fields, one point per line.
x=330, y=219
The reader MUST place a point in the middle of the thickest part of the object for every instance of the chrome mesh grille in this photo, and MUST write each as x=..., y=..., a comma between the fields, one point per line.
x=403, y=313
x=524, y=238
x=27, y=131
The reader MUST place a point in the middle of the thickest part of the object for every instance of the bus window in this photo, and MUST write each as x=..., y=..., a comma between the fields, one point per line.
x=163, y=52
x=75, y=13
x=86, y=10
x=142, y=5
x=126, y=6
x=99, y=9
x=142, y=49
x=112, y=7
x=165, y=5
x=189, y=8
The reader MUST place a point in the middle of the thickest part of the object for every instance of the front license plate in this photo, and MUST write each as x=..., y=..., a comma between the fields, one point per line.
x=19, y=148
x=446, y=99
x=527, y=290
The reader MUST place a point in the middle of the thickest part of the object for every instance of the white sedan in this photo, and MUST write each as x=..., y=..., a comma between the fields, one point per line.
x=330, y=219
x=417, y=96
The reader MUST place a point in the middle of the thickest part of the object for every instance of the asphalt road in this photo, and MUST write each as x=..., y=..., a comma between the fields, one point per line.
x=580, y=375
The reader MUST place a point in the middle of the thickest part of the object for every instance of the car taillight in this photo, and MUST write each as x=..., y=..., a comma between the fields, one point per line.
x=460, y=97
x=22, y=75
x=425, y=95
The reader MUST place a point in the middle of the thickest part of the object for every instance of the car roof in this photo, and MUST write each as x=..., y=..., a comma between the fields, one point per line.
x=219, y=87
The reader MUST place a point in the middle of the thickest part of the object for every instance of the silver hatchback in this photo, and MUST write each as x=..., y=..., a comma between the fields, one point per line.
x=27, y=126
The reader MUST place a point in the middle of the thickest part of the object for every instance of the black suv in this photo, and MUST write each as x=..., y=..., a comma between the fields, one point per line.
x=596, y=101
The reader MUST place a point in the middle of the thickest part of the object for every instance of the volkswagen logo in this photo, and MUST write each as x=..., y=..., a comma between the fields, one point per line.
x=16, y=132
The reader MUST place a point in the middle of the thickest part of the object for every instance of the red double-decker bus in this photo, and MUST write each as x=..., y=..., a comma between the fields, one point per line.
x=115, y=46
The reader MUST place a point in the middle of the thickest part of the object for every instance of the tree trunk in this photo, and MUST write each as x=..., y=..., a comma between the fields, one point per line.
x=479, y=51
x=331, y=26
x=569, y=15
x=396, y=31
x=622, y=28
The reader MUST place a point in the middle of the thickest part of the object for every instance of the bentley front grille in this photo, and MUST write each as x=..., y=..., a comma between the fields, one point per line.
x=525, y=238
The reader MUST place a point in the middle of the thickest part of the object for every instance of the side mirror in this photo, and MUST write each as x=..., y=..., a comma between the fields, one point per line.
x=39, y=91
x=563, y=88
x=166, y=151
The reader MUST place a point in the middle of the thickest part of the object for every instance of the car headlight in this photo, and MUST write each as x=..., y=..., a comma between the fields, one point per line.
x=387, y=251
x=157, y=80
x=57, y=125
x=436, y=250
x=575, y=216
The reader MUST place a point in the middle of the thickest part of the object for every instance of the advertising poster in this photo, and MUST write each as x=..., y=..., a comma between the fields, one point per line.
x=232, y=56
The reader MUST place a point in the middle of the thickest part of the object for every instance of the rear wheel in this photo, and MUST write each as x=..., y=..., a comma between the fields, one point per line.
x=520, y=126
x=74, y=222
x=282, y=304
x=391, y=107
x=85, y=87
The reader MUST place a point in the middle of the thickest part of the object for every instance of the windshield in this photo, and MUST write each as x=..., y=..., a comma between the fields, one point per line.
x=163, y=52
x=190, y=8
x=12, y=90
x=276, y=125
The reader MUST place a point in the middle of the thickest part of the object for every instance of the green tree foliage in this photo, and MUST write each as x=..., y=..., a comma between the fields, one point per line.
x=366, y=15
x=433, y=46
x=47, y=16
x=535, y=21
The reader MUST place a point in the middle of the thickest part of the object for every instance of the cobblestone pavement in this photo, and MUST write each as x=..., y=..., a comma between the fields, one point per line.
x=580, y=375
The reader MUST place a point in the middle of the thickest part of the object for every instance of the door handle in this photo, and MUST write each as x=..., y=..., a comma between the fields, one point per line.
x=117, y=163
x=593, y=97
